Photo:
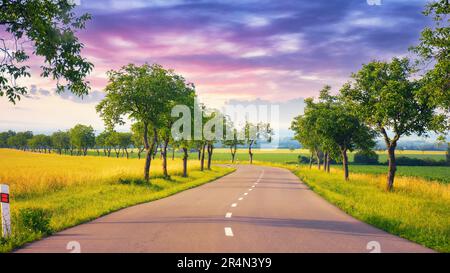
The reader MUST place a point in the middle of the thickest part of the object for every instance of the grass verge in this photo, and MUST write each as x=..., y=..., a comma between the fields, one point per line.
x=417, y=210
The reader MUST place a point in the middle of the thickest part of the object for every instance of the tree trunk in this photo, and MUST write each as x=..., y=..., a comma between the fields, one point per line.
x=233, y=153
x=202, y=160
x=149, y=152
x=155, y=150
x=210, y=153
x=173, y=153
x=126, y=151
x=250, y=152
x=328, y=164
x=185, y=158
x=311, y=160
x=325, y=162
x=164, y=158
x=199, y=153
x=392, y=166
x=319, y=163
x=345, y=162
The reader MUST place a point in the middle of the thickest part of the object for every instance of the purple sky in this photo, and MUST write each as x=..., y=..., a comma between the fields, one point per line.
x=276, y=51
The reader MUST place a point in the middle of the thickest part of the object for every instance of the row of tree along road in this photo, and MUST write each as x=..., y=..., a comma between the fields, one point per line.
x=147, y=95
x=387, y=99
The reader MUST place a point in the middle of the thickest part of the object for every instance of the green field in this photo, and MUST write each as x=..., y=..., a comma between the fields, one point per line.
x=437, y=173
x=286, y=156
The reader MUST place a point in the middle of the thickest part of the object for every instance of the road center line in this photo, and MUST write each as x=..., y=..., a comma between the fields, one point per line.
x=250, y=189
x=240, y=199
x=229, y=232
x=246, y=193
x=228, y=215
x=234, y=205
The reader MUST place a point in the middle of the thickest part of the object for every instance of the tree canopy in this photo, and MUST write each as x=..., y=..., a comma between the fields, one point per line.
x=50, y=26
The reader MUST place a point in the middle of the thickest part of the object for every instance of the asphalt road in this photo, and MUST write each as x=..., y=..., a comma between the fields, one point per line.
x=255, y=209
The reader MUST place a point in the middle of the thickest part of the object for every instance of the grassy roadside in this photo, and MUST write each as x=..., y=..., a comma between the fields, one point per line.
x=73, y=190
x=417, y=210
x=75, y=205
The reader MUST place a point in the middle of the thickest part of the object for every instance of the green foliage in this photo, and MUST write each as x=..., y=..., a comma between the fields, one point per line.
x=35, y=220
x=145, y=94
x=50, y=26
x=137, y=92
x=386, y=98
x=20, y=140
x=366, y=157
x=407, y=161
x=82, y=137
x=60, y=140
x=434, y=47
x=4, y=136
x=40, y=142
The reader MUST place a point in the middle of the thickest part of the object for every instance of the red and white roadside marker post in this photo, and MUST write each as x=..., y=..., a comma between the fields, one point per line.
x=6, y=216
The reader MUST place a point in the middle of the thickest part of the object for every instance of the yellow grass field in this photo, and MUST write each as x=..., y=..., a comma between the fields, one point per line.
x=36, y=173
x=73, y=189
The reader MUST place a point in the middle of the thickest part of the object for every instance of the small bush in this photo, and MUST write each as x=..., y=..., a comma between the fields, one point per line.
x=408, y=161
x=366, y=157
x=303, y=159
x=134, y=181
x=35, y=220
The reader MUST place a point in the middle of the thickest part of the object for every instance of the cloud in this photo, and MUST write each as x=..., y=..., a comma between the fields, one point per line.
x=246, y=49
x=92, y=97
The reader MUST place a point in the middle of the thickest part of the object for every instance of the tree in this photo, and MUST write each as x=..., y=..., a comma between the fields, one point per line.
x=114, y=142
x=106, y=141
x=232, y=142
x=49, y=26
x=179, y=93
x=60, y=141
x=4, y=136
x=434, y=48
x=386, y=99
x=213, y=132
x=39, y=143
x=307, y=133
x=341, y=128
x=82, y=137
x=138, y=93
x=20, y=140
x=137, y=137
x=124, y=140
x=254, y=133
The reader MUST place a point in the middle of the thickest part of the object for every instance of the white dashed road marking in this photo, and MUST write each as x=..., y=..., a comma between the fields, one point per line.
x=234, y=205
x=240, y=199
x=229, y=232
x=228, y=215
